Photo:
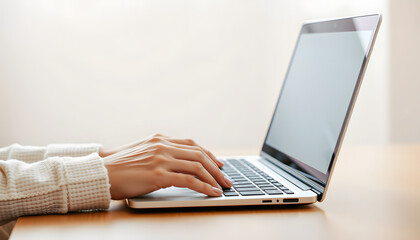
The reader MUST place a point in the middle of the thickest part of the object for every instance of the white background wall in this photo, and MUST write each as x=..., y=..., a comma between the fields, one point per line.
x=405, y=71
x=115, y=71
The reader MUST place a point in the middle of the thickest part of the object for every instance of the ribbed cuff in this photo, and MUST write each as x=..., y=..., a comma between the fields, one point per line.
x=71, y=150
x=87, y=183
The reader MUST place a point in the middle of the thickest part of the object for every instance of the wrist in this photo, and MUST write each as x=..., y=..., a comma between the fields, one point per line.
x=105, y=152
x=111, y=180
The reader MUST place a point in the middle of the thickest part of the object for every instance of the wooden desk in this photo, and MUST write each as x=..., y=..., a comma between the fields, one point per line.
x=374, y=194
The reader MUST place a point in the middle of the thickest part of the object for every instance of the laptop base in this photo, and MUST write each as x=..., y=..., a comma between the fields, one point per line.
x=174, y=197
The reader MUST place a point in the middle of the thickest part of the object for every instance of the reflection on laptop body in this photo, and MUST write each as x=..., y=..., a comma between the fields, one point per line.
x=308, y=124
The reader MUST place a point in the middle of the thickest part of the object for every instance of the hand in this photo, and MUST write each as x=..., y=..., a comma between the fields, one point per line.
x=160, y=162
x=104, y=152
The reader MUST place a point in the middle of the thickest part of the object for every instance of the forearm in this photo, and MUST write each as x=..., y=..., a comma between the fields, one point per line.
x=54, y=185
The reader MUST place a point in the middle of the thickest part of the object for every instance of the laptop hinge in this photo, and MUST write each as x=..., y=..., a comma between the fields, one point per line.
x=298, y=180
x=318, y=193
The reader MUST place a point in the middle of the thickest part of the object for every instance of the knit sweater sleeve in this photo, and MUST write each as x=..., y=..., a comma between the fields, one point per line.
x=33, y=154
x=56, y=184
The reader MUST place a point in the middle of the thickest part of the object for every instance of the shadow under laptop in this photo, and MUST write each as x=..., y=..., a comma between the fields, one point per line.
x=231, y=209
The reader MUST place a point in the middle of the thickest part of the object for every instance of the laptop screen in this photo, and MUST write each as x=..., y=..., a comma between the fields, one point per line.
x=317, y=95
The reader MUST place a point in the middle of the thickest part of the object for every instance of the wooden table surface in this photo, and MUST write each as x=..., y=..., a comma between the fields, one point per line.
x=374, y=194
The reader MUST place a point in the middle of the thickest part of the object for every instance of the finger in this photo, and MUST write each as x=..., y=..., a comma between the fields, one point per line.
x=151, y=138
x=219, y=163
x=189, y=142
x=189, y=181
x=160, y=135
x=192, y=168
x=197, y=156
x=194, y=148
x=132, y=151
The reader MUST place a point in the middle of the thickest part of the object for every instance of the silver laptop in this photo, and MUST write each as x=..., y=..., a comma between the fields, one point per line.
x=307, y=128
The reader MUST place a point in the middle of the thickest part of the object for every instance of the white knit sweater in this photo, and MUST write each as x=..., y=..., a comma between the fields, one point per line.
x=52, y=179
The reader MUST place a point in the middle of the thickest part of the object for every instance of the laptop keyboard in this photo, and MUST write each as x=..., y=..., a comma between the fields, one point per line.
x=249, y=180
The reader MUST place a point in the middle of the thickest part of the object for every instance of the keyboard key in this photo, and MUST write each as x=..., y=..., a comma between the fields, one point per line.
x=239, y=179
x=230, y=194
x=265, y=185
x=273, y=192
x=243, y=184
x=288, y=192
x=246, y=189
x=251, y=193
x=261, y=182
x=250, y=175
x=257, y=179
x=235, y=174
x=268, y=188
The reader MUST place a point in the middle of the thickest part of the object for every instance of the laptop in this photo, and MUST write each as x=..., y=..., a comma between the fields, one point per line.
x=307, y=128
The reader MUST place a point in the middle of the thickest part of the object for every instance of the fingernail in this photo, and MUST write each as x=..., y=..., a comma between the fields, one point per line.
x=220, y=163
x=228, y=182
x=217, y=190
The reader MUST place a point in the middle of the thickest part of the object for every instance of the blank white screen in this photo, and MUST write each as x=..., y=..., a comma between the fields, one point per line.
x=316, y=95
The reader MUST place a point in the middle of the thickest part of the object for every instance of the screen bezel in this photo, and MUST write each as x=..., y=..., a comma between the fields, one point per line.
x=362, y=23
